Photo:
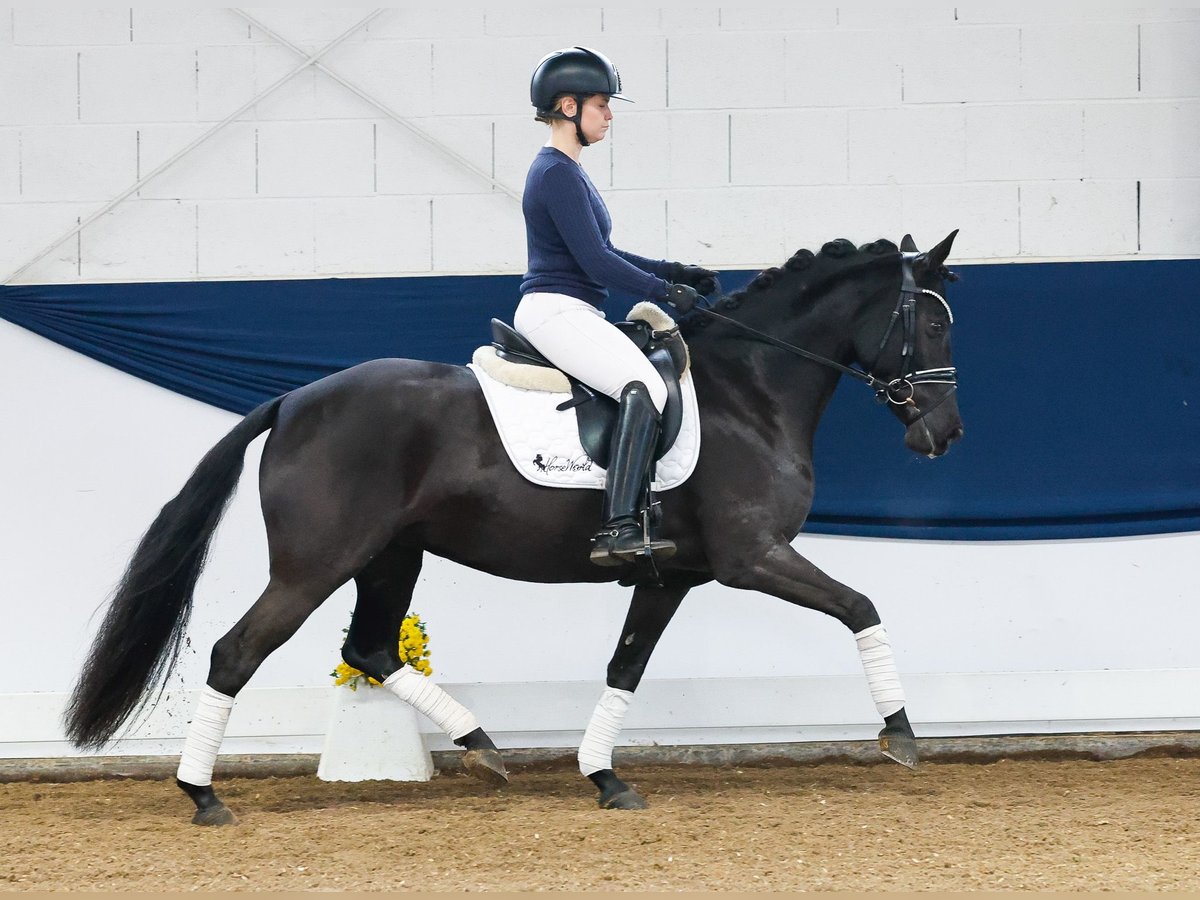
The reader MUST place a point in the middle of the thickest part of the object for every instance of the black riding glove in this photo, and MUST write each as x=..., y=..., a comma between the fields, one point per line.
x=703, y=280
x=682, y=297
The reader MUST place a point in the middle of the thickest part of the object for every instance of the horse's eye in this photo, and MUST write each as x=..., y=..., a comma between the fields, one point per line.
x=937, y=328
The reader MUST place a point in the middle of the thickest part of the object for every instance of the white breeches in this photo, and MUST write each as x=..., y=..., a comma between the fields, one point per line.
x=576, y=337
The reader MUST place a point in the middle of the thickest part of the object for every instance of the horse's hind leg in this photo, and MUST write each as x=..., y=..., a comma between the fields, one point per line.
x=385, y=590
x=273, y=618
x=649, y=612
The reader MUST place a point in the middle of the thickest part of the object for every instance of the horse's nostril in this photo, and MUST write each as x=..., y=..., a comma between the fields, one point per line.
x=956, y=434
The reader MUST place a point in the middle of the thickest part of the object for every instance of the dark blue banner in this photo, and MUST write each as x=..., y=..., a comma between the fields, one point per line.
x=1078, y=383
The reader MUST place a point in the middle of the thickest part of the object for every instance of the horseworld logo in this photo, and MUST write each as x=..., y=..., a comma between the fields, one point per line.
x=581, y=463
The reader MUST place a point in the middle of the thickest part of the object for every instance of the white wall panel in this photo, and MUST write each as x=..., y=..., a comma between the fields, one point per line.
x=396, y=73
x=406, y=164
x=138, y=84
x=312, y=28
x=641, y=60
x=296, y=99
x=179, y=25
x=478, y=234
x=756, y=97
x=816, y=72
x=27, y=228
x=1170, y=220
x=987, y=216
x=1074, y=218
x=714, y=71
x=427, y=22
x=907, y=145
x=140, y=239
x=1079, y=59
x=816, y=151
x=1024, y=141
x=40, y=85
x=50, y=26
x=749, y=231
x=815, y=215
x=10, y=164
x=517, y=140
x=677, y=19
x=222, y=168
x=774, y=18
x=962, y=64
x=522, y=21
x=225, y=80
x=316, y=159
x=1142, y=140
x=372, y=235
x=280, y=231
x=640, y=222
x=1169, y=67
x=77, y=162
x=488, y=76
x=686, y=150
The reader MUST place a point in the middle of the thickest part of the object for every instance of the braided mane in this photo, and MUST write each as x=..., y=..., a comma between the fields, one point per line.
x=832, y=261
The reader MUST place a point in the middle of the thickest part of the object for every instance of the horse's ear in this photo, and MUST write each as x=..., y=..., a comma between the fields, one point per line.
x=907, y=244
x=935, y=257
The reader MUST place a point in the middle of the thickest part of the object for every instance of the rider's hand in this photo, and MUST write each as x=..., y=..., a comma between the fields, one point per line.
x=703, y=280
x=682, y=297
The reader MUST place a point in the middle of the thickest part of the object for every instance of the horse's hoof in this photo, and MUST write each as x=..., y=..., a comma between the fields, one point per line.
x=899, y=746
x=214, y=815
x=487, y=766
x=627, y=799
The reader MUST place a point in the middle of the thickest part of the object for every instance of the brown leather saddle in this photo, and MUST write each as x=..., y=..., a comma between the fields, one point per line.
x=595, y=412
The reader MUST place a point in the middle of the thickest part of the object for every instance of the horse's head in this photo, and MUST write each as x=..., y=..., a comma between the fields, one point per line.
x=905, y=344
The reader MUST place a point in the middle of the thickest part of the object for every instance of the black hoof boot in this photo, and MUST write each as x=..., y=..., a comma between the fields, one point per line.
x=897, y=741
x=209, y=810
x=482, y=760
x=614, y=793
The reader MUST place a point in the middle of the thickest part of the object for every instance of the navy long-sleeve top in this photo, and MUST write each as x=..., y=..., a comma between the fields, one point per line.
x=567, y=229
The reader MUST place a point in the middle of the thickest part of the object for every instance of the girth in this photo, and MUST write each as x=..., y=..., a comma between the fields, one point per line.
x=596, y=413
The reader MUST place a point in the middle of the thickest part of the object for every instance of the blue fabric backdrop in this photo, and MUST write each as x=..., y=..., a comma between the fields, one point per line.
x=1078, y=383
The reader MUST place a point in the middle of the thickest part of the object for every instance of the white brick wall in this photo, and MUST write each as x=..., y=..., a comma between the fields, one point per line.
x=755, y=130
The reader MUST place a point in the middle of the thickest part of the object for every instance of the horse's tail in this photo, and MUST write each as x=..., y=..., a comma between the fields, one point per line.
x=140, y=639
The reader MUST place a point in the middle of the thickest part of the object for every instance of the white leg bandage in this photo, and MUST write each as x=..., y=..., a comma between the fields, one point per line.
x=205, y=733
x=880, y=666
x=595, y=753
x=431, y=701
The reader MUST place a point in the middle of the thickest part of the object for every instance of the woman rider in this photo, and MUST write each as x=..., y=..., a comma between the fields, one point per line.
x=572, y=263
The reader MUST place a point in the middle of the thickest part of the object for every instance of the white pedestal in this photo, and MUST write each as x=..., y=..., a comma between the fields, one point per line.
x=373, y=736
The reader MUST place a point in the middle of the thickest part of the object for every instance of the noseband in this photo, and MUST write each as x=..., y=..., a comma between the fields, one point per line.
x=899, y=391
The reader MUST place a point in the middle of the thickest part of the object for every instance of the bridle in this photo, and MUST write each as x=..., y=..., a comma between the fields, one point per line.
x=898, y=391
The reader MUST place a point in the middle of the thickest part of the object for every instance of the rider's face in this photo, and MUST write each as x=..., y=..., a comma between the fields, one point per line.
x=596, y=118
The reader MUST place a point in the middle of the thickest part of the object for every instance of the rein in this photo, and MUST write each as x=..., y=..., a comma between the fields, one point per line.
x=899, y=391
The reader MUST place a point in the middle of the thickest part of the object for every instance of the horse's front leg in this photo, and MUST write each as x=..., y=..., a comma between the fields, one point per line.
x=649, y=612
x=783, y=572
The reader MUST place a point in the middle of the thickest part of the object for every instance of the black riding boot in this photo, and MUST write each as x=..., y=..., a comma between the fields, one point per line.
x=633, y=442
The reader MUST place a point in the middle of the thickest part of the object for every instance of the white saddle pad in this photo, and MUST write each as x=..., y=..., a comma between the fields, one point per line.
x=543, y=443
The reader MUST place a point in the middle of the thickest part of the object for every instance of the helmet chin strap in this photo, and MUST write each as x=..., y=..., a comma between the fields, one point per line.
x=577, y=119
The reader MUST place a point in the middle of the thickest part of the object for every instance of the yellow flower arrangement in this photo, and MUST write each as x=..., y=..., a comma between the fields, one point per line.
x=414, y=651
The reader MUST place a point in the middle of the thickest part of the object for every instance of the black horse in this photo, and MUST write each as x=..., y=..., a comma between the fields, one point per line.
x=368, y=469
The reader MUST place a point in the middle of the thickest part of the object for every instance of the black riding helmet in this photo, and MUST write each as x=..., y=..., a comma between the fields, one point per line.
x=578, y=71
